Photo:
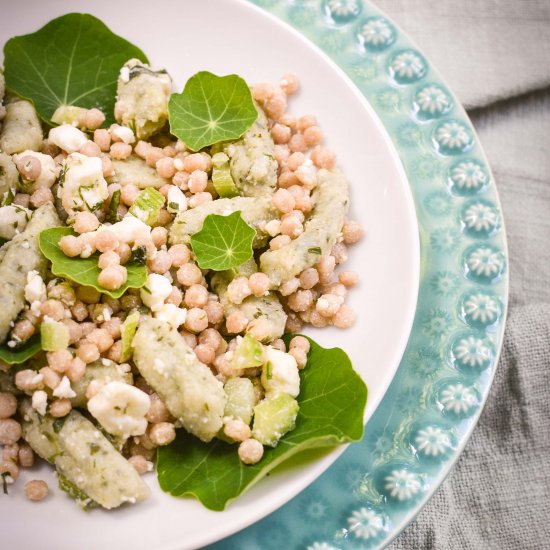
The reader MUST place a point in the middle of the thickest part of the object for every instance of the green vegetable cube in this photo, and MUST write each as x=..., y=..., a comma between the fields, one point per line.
x=241, y=399
x=127, y=332
x=248, y=354
x=273, y=418
x=147, y=206
x=54, y=336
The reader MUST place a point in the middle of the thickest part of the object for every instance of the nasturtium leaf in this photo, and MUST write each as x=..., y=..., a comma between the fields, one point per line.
x=332, y=401
x=73, y=60
x=84, y=271
x=224, y=242
x=21, y=353
x=211, y=109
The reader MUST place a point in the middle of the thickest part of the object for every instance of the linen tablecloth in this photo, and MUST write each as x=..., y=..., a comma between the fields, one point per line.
x=495, y=54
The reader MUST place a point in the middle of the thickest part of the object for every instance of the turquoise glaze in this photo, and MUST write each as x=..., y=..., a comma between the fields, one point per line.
x=378, y=485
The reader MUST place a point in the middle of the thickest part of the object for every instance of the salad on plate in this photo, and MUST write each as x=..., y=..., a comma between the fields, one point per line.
x=161, y=252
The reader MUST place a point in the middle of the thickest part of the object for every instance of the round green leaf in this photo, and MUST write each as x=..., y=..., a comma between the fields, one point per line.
x=84, y=271
x=332, y=402
x=224, y=242
x=211, y=109
x=73, y=60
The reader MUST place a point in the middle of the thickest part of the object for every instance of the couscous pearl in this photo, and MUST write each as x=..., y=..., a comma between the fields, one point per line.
x=328, y=304
x=258, y=284
x=295, y=160
x=263, y=91
x=141, y=148
x=140, y=464
x=54, y=309
x=113, y=277
x=344, y=317
x=90, y=149
x=180, y=254
x=238, y=289
x=251, y=451
x=301, y=300
x=10, y=431
x=196, y=320
x=236, y=429
x=340, y=253
x=77, y=369
x=26, y=456
x=8, y=405
x=198, y=181
x=51, y=378
x=160, y=263
x=309, y=278
x=162, y=433
x=297, y=143
x=236, y=323
x=36, y=490
x=279, y=241
x=283, y=201
x=108, y=258
x=60, y=408
x=101, y=338
x=300, y=355
x=159, y=236
x=214, y=312
x=41, y=196
x=196, y=296
x=189, y=274
x=70, y=245
x=289, y=83
x=153, y=155
x=275, y=106
x=325, y=268
x=106, y=240
x=195, y=161
x=175, y=297
x=210, y=337
x=120, y=150
x=323, y=157
x=102, y=138
x=199, y=198
x=280, y=133
x=87, y=352
x=129, y=193
x=205, y=354
x=287, y=179
x=165, y=167
x=352, y=232
x=157, y=411
x=259, y=329
x=313, y=136
x=60, y=360
x=190, y=339
x=107, y=167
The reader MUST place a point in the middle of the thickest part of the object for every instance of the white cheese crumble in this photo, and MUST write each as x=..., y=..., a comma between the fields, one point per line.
x=35, y=289
x=124, y=133
x=156, y=290
x=280, y=373
x=171, y=314
x=177, y=201
x=64, y=389
x=273, y=228
x=129, y=229
x=68, y=138
x=120, y=408
x=83, y=187
x=40, y=402
x=48, y=170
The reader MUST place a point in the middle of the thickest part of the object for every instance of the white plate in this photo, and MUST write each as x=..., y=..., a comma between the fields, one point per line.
x=234, y=37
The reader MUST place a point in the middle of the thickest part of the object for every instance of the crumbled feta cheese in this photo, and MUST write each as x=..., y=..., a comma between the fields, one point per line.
x=124, y=133
x=120, y=408
x=83, y=186
x=156, y=290
x=68, y=138
x=40, y=402
x=129, y=229
x=273, y=227
x=64, y=389
x=280, y=373
x=177, y=201
x=35, y=289
x=48, y=172
x=13, y=220
x=124, y=74
x=171, y=314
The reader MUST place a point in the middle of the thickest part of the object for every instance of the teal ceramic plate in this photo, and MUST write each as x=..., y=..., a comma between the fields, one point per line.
x=419, y=429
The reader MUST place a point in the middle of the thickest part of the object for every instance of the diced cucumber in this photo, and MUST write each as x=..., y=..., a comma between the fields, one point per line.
x=221, y=176
x=147, y=206
x=249, y=353
x=127, y=332
x=54, y=336
x=241, y=399
x=273, y=418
